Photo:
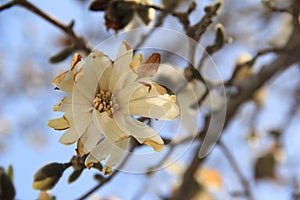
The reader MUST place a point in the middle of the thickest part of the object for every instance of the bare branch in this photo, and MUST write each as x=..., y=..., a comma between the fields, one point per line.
x=79, y=42
x=7, y=5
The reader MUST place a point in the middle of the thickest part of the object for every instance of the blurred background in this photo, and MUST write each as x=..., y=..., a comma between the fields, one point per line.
x=263, y=138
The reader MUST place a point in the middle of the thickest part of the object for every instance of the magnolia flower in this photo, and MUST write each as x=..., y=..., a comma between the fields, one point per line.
x=103, y=97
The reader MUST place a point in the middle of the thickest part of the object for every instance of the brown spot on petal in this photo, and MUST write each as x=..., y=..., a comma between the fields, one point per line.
x=75, y=60
x=150, y=67
x=156, y=146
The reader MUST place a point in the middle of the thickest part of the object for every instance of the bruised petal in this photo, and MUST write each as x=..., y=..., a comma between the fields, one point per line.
x=150, y=67
x=59, y=123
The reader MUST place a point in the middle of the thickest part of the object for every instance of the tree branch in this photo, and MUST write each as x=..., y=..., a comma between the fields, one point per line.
x=7, y=5
x=79, y=42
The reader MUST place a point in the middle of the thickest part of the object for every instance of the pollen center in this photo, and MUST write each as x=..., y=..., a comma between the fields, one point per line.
x=103, y=102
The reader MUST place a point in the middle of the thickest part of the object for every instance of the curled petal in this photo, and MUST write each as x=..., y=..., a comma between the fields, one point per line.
x=161, y=107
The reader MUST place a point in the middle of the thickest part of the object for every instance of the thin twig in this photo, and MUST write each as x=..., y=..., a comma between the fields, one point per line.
x=236, y=169
x=7, y=5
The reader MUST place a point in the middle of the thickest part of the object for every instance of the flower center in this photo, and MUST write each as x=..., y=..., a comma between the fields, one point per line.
x=104, y=103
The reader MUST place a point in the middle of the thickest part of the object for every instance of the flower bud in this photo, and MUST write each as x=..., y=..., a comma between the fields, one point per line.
x=119, y=14
x=47, y=176
x=7, y=190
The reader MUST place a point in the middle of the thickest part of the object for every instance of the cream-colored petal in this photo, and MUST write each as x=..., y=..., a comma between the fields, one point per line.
x=82, y=111
x=65, y=81
x=79, y=100
x=136, y=90
x=88, y=82
x=161, y=107
x=94, y=67
x=65, y=105
x=59, y=123
x=81, y=121
x=121, y=65
x=103, y=69
x=100, y=152
x=69, y=137
x=89, y=139
x=123, y=96
x=108, y=126
x=117, y=153
x=142, y=132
